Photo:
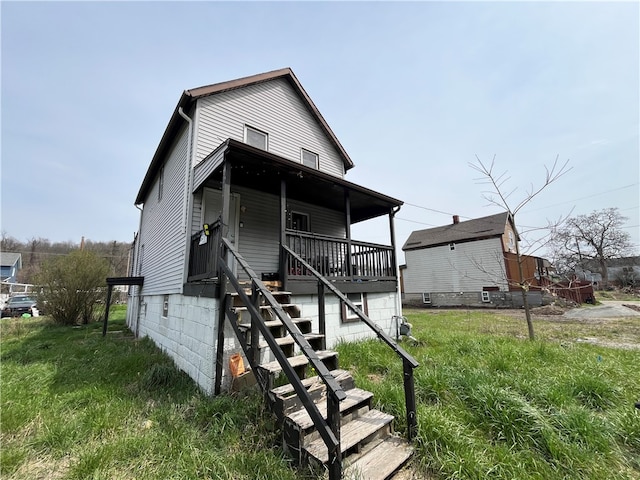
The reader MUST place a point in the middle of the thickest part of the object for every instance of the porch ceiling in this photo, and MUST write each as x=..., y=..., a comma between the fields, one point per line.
x=263, y=171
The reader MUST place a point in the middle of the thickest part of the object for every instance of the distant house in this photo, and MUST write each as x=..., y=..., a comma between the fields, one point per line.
x=10, y=264
x=621, y=271
x=470, y=263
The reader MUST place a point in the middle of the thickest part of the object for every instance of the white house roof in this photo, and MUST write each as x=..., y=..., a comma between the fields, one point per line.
x=478, y=228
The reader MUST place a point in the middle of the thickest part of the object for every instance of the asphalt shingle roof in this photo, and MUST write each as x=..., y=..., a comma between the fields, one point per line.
x=485, y=227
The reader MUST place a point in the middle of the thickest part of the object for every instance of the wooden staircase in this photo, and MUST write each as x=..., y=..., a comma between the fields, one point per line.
x=370, y=449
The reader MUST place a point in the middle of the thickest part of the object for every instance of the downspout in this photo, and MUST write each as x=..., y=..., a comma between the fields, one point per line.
x=138, y=288
x=395, y=255
x=188, y=173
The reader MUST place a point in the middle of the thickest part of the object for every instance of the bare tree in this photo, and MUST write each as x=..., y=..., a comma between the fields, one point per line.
x=596, y=237
x=499, y=197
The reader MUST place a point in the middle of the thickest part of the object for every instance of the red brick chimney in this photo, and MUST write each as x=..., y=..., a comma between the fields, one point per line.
x=456, y=219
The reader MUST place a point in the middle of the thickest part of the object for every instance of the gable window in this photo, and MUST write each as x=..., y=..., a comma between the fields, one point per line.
x=360, y=301
x=452, y=246
x=308, y=158
x=256, y=138
x=160, y=184
x=298, y=221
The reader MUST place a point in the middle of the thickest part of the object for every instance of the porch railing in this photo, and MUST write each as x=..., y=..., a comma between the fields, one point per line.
x=204, y=253
x=339, y=257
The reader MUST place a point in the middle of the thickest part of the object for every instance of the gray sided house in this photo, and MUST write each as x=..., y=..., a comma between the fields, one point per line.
x=470, y=264
x=248, y=175
x=10, y=264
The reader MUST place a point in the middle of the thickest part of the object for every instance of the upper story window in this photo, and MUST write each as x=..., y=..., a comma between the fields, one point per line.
x=256, y=138
x=309, y=158
x=160, y=184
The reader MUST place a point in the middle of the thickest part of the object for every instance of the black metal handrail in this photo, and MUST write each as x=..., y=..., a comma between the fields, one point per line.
x=408, y=362
x=329, y=430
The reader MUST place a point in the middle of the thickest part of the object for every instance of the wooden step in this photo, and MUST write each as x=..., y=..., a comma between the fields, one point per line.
x=274, y=367
x=358, y=431
x=285, y=400
x=355, y=397
x=381, y=461
x=303, y=324
x=288, y=340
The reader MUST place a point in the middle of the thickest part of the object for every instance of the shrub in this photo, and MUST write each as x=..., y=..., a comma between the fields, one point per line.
x=72, y=286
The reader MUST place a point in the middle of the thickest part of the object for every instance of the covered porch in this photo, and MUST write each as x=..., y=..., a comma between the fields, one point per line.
x=305, y=209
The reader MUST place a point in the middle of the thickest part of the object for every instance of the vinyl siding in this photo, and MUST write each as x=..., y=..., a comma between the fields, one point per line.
x=273, y=107
x=259, y=237
x=471, y=266
x=161, y=231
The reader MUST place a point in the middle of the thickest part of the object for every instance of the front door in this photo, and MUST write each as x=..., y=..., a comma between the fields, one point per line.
x=212, y=210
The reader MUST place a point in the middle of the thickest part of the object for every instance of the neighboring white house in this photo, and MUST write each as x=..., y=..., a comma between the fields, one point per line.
x=252, y=160
x=471, y=263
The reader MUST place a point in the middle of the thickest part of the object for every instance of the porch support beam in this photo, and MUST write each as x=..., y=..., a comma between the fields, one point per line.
x=226, y=197
x=347, y=213
x=283, y=234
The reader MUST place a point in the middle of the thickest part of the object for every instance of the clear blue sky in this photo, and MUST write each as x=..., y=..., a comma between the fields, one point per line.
x=414, y=91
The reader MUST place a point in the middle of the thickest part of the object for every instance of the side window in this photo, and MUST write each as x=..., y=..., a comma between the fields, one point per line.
x=160, y=184
x=426, y=298
x=256, y=138
x=309, y=158
x=298, y=221
x=360, y=301
x=485, y=297
x=140, y=260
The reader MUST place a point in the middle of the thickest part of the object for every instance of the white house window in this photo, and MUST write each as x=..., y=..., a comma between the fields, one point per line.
x=360, y=301
x=298, y=221
x=256, y=138
x=512, y=242
x=309, y=158
x=452, y=246
x=426, y=298
x=485, y=297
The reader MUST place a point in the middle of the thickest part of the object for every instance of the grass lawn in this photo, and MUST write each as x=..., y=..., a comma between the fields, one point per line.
x=491, y=404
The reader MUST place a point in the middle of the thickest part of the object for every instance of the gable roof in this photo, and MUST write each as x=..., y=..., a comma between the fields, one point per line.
x=189, y=97
x=476, y=229
x=9, y=259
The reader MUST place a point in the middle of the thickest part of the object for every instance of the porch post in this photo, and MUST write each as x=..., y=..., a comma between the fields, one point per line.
x=283, y=234
x=347, y=213
x=226, y=197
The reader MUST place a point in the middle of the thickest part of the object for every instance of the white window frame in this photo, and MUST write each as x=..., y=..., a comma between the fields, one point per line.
x=452, y=246
x=486, y=297
x=304, y=151
x=426, y=298
x=249, y=128
x=349, y=315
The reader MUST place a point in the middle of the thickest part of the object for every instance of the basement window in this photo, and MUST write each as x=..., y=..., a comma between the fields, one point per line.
x=485, y=297
x=165, y=306
x=256, y=138
x=426, y=298
x=360, y=301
